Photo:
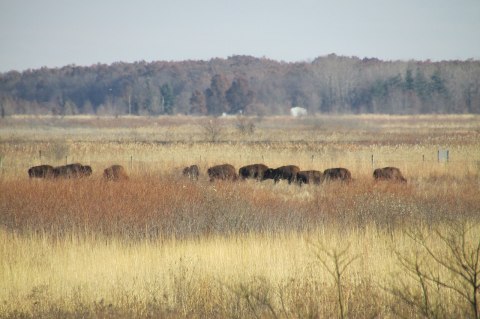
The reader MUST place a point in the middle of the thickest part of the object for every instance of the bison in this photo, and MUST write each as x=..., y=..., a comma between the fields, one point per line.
x=191, y=172
x=222, y=172
x=255, y=171
x=72, y=171
x=42, y=171
x=115, y=173
x=288, y=172
x=309, y=177
x=339, y=173
x=389, y=173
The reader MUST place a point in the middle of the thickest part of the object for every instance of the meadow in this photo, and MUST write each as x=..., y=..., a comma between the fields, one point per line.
x=160, y=245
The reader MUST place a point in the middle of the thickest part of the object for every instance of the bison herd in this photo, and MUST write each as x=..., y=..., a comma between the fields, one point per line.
x=114, y=172
x=290, y=173
x=65, y=171
x=259, y=172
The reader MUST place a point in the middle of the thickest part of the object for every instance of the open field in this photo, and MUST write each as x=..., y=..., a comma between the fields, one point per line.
x=159, y=245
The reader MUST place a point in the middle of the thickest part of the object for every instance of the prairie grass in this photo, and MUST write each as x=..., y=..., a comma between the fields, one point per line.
x=249, y=275
x=160, y=245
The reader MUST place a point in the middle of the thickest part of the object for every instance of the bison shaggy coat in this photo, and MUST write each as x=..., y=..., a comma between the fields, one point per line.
x=41, y=171
x=191, y=172
x=72, y=171
x=222, y=172
x=389, y=173
x=115, y=173
x=288, y=172
x=309, y=177
x=255, y=171
x=340, y=173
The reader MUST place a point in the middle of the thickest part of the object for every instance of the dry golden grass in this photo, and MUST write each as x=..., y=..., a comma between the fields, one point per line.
x=159, y=245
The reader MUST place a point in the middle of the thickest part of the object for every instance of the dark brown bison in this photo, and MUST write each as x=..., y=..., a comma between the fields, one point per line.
x=255, y=171
x=72, y=171
x=288, y=172
x=42, y=171
x=389, y=173
x=115, y=173
x=341, y=174
x=222, y=172
x=309, y=177
x=191, y=172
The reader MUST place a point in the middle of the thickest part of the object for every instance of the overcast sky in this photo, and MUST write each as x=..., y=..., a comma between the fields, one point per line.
x=54, y=33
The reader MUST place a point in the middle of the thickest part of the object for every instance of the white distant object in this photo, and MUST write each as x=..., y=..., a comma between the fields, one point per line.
x=298, y=111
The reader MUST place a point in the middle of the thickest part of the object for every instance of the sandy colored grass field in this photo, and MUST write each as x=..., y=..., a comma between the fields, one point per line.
x=162, y=145
x=159, y=245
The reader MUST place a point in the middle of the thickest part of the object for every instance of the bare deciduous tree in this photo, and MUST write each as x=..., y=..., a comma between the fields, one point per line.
x=445, y=260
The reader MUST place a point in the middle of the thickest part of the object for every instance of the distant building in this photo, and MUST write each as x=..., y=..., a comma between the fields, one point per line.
x=298, y=111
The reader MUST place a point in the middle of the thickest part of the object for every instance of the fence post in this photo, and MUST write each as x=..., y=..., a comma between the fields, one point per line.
x=372, y=162
x=131, y=162
x=66, y=160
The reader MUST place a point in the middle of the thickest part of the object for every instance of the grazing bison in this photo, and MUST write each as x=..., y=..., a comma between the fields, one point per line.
x=309, y=177
x=340, y=173
x=42, y=171
x=115, y=173
x=255, y=171
x=72, y=171
x=389, y=173
x=191, y=172
x=288, y=172
x=222, y=172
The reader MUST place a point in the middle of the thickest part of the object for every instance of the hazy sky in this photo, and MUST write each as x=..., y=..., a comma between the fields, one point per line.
x=36, y=33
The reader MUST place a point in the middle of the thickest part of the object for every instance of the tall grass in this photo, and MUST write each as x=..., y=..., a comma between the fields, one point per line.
x=160, y=245
x=250, y=275
x=169, y=206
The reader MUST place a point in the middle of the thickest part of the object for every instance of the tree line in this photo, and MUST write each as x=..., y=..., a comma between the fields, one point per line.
x=247, y=85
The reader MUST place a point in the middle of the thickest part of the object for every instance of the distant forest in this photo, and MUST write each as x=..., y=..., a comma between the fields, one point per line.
x=244, y=84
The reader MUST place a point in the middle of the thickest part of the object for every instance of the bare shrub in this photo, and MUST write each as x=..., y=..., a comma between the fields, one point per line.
x=257, y=296
x=245, y=125
x=335, y=261
x=212, y=130
x=445, y=260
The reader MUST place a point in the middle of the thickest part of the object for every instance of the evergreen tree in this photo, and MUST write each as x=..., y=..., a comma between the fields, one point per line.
x=409, y=81
x=168, y=98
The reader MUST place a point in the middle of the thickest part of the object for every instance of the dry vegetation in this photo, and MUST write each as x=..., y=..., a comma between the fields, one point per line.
x=159, y=245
